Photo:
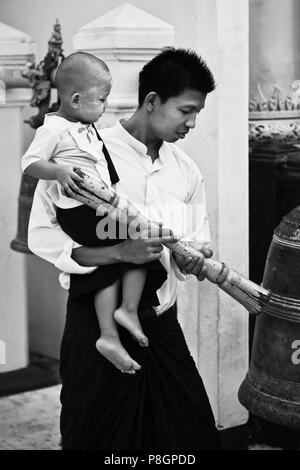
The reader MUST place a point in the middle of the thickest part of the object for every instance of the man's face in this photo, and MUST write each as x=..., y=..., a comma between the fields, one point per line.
x=173, y=119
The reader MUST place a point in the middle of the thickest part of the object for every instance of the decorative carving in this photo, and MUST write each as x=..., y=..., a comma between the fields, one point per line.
x=41, y=78
x=277, y=102
x=275, y=118
x=270, y=131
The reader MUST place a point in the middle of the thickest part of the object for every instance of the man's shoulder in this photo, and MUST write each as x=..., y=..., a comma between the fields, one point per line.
x=182, y=157
x=107, y=132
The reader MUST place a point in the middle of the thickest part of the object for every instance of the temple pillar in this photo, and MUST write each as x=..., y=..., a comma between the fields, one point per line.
x=274, y=83
x=16, y=48
x=274, y=123
x=274, y=142
x=215, y=325
x=274, y=44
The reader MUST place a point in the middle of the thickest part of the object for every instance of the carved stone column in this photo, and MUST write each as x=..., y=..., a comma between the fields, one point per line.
x=274, y=134
x=125, y=38
x=16, y=48
x=274, y=72
x=274, y=122
x=217, y=325
x=274, y=44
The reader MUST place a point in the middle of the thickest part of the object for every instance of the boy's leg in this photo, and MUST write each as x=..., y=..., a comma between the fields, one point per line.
x=109, y=344
x=126, y=315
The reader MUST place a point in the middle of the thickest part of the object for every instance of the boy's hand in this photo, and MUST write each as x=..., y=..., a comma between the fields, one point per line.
x=194, y=265
x=67, y=177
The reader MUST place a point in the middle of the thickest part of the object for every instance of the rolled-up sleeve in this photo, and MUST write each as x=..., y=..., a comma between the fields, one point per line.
x=198, y=221
x=47, y=240
x=41, y=148
x=196, y=218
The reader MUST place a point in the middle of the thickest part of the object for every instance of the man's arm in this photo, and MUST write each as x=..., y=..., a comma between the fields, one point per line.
x=47, y=240
x=139, y=251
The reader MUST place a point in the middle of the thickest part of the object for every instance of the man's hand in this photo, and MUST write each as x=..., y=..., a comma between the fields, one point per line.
x=67, y=177
x=143, y=250
x=194, y=265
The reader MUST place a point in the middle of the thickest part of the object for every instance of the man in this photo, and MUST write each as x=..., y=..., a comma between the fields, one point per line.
x=164, y=406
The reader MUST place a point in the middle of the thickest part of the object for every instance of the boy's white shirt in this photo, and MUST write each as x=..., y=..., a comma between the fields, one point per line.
x=67, y=143
x=158, y=189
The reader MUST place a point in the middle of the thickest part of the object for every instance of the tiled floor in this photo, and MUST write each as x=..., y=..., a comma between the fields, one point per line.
x=30, y=421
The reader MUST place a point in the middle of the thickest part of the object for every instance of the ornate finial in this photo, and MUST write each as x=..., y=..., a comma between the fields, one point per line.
x=276, y=102
x=259, y=102
x=293, y=98
x=41, y=77
x=55, y=42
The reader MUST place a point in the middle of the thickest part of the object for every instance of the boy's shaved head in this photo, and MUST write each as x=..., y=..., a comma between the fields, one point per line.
x=79, y=71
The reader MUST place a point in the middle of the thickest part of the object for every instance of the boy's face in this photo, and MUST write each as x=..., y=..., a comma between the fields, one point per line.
x=173, y=119
x=92, y=103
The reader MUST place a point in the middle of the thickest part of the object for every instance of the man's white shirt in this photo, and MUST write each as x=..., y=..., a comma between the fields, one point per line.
x=170, y=190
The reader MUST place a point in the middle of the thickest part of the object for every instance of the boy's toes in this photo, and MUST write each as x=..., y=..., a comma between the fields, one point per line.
x=135, y=366
x=143, y=341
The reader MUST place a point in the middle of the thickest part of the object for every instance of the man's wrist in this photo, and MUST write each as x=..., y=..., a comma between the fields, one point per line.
x=56, y=171
x=178, y=259
x=120, y=252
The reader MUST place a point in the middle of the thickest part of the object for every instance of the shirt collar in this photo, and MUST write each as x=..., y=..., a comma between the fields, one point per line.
x=65, y=122
x=130, y=140
x=137, y=144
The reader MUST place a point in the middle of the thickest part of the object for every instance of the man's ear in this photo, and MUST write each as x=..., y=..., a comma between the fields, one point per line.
x=152, y=100
x=75, y=100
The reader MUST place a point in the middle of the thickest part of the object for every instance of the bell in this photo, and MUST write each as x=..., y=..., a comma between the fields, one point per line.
x=27, y=188
x=271, y=389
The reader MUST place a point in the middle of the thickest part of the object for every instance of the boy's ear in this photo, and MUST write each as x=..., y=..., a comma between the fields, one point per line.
x=151, y=100
x=75, y=100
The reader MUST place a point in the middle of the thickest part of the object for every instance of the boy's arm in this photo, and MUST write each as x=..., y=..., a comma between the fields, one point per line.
x=43, y=170
x=36, y=162
x=41, y=148
x=46, y=170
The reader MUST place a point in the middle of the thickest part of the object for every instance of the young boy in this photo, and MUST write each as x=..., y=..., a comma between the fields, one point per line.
x=68, y=140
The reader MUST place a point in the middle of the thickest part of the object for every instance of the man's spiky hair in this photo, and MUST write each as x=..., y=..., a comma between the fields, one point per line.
x=173, y=71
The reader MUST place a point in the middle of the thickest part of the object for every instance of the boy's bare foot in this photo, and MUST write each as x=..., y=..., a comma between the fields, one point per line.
x=131, y=323
x=111, y=348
